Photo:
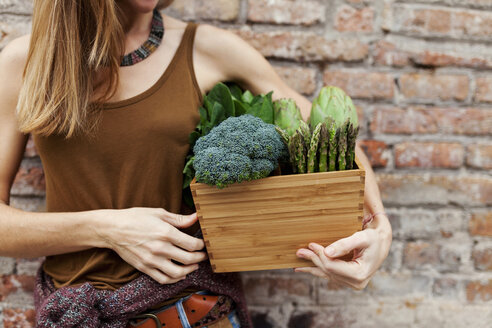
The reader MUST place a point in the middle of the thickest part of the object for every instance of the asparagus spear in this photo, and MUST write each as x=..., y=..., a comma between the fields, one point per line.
x=333, y=135
x=313, y=148
x=323, y=148
x=351, y=138
x=292, y=152
x=283, y=135
x=301, y=152
x=342, y=146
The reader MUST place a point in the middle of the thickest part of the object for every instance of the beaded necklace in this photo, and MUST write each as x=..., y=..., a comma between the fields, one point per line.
x=149, y=46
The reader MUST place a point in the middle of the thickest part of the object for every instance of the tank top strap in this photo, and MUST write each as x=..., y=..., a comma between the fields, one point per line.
x=188, y=42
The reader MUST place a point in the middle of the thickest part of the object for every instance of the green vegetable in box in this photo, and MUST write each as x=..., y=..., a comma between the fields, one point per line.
x=239, y=149
x=335, y=110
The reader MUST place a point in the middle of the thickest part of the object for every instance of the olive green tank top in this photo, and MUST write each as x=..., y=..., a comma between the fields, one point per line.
x=135, y=159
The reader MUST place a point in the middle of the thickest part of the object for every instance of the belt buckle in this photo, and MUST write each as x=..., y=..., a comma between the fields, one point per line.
x=144, y=316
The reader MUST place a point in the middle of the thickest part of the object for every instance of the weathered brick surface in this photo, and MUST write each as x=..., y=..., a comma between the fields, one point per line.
x=481, y=224
x=305, y=46
x=430, y=87
x=431, y=120
x=14, y=287
x=350, y=19
x=479, y=156
x=18, y=318
x=419, y=73
x=483, y=92
x=401, y=54
x=29, y=180
x=439, y=21
x=418, y=255
x=30, y=148
x=359, y=84
x=479, y=291
x=301, y=79
x=482, y=257
x=376, y=151
x=16, y=7
x=223, y=10
x=436, y=189
x=307, y=12
x=6, y=265
x=428, y=155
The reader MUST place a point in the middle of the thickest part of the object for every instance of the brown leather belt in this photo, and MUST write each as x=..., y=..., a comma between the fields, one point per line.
x=196, y=307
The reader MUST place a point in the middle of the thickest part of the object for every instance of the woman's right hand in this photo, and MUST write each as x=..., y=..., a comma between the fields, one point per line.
x=148, y=239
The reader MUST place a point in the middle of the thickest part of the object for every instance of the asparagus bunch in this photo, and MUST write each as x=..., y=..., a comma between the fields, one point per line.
x=328, y=144
x=338, y=116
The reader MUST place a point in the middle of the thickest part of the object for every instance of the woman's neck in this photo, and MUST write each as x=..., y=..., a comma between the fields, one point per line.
x=136, y=26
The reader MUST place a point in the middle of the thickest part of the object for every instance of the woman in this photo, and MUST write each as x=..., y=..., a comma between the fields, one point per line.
x=112, y=135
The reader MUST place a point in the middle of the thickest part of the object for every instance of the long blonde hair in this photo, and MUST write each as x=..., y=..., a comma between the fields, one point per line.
x=71, y=42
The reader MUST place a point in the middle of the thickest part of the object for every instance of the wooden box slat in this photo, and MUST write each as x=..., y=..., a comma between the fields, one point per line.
x=260, y=224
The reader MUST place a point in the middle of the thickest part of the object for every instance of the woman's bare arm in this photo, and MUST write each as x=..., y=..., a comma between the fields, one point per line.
x=22, y=233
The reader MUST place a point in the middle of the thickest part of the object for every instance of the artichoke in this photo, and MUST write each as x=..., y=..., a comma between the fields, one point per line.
x=287, y=115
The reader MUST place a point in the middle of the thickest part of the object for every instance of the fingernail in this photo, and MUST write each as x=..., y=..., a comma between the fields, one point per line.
x=329, y=251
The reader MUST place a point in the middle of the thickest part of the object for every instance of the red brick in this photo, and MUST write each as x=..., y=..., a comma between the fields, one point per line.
x=18, y=318
x=386, y=53
x=224, y=10
x=389, y=54
x=483, y=92
x=417, y=86
x=10, y=284
x=418, y=254
x=480, y=224
x=444, y=22
x=482, y=258
x=307, y=12
x=30, y=148
x=412, y=189
x=28, y=266
x=479, y=291
x=300, y=79
x=18, y=6
x=438, y=21
x=429, y=154
x=479, y=156
x=29, y=181
x=472, y=23
x=417, y=120
x=445, y=287
x=349, y=19
x=7, y=265
x=375, y=152
x=304, y=46
x=440, y=58
x=367, y=85
x=278, y=289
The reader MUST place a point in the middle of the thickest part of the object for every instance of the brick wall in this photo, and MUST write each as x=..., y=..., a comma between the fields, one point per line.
x=420, y=72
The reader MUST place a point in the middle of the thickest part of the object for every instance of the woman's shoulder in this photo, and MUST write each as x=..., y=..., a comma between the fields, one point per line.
x=13, y=56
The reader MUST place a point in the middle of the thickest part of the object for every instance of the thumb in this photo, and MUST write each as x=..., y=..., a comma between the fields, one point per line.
x=346, y=245
x=180, y=220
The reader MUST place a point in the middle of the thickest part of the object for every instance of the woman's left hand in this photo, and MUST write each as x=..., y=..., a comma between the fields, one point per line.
x=370, y=246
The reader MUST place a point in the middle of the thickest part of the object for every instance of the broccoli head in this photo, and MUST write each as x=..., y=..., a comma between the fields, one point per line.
x=239, y=149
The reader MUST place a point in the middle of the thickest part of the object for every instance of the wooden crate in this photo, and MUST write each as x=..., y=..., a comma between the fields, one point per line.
x=260, y=224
